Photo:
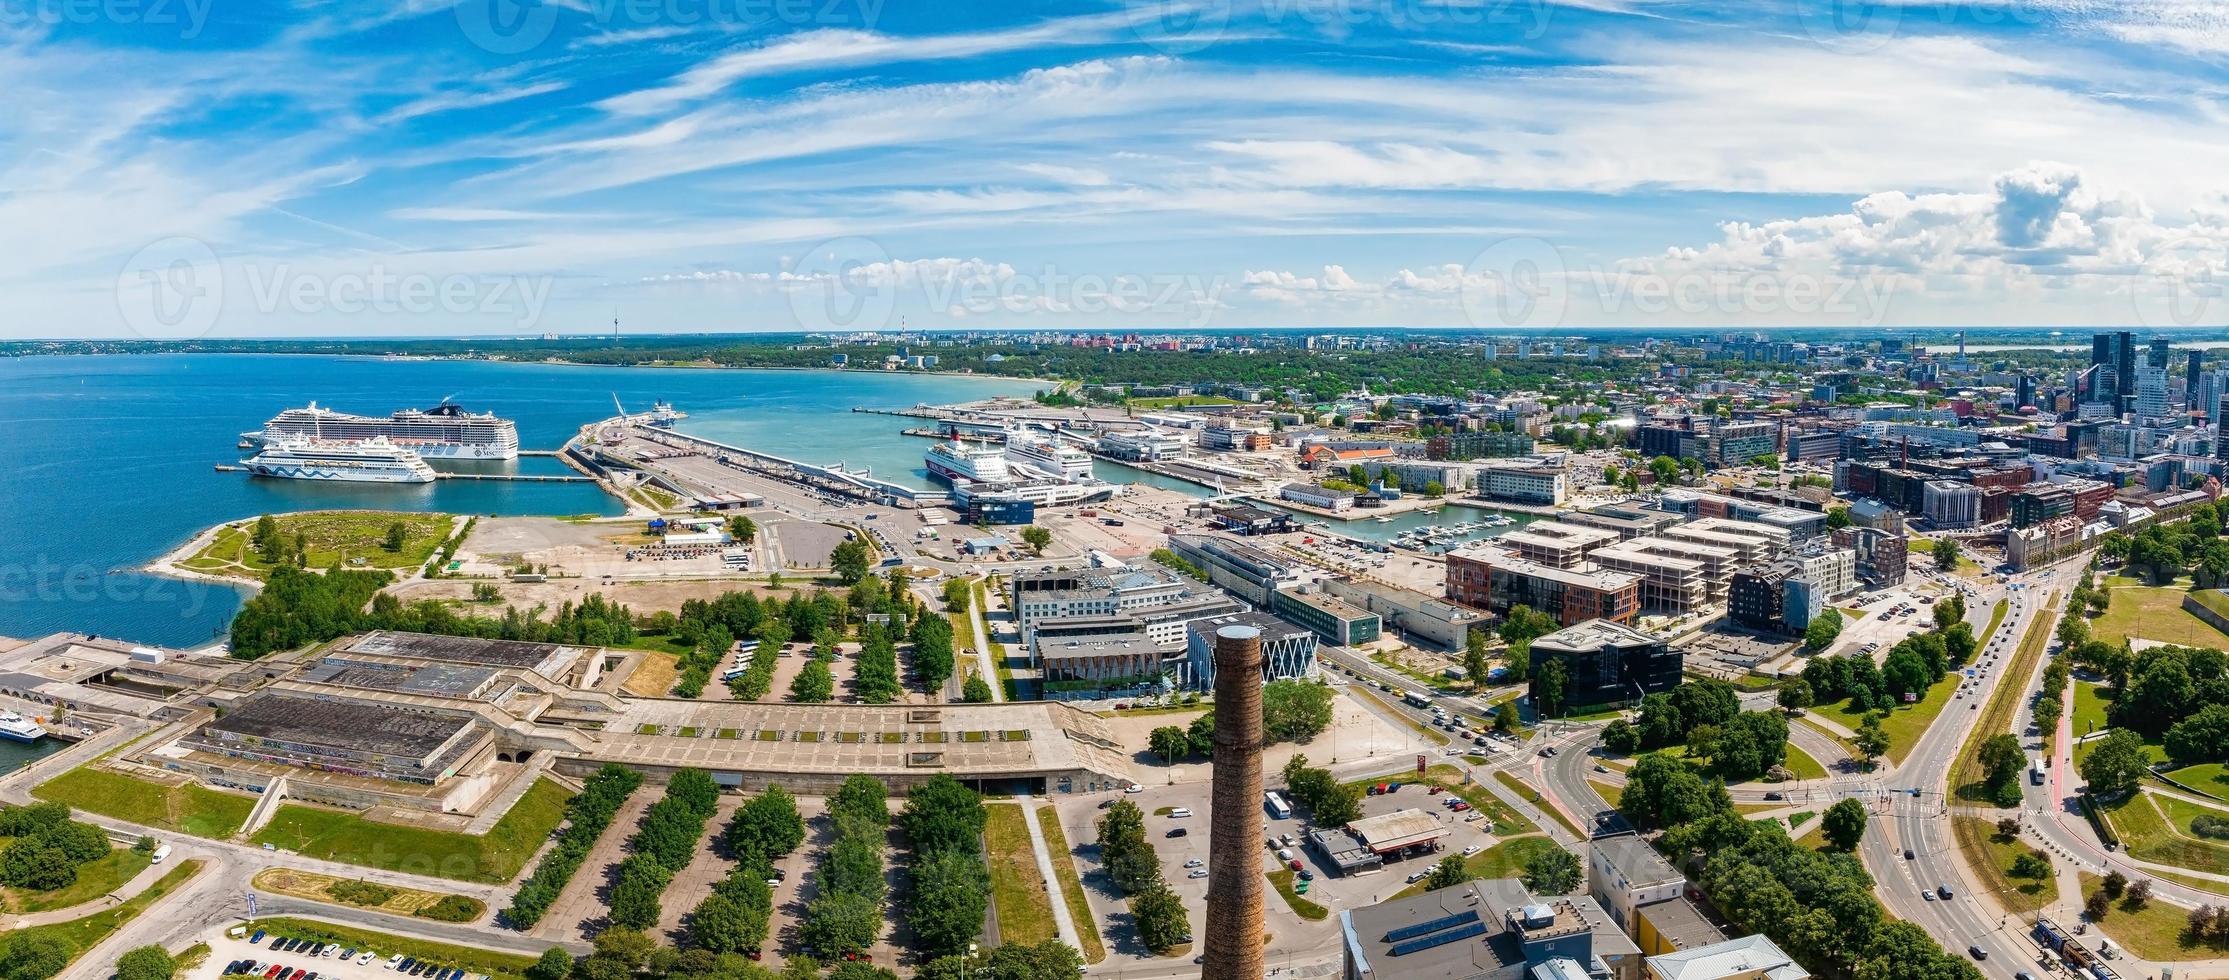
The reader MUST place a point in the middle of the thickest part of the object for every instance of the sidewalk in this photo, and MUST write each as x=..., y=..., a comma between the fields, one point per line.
x=1063, y=924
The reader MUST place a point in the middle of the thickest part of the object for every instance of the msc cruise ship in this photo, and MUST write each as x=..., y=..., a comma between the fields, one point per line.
x=367, y=461
x=443, y=432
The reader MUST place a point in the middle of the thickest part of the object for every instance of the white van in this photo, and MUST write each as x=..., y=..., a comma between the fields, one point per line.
x=1182, y=811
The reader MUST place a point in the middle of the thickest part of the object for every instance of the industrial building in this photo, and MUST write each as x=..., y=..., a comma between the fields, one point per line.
x=1485, y=930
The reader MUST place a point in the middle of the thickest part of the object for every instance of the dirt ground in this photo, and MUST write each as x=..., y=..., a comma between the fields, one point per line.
x=642, y=597
x=1355, y=734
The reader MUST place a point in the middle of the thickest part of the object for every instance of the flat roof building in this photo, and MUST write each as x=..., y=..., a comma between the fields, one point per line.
x=1608, y=662
x=1754, y=957
x=1498, y=581
x=1398, y=832
x=1485, y=930
x=1555, y=544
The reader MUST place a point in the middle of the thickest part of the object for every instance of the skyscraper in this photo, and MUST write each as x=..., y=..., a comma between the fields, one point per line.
x=1234, y=860
x=2151, y=392
x=2159, y=352
x=2196, y=366
x=2115, y=351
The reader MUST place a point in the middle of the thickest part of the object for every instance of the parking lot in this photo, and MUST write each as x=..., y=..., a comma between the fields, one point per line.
x=225, y=950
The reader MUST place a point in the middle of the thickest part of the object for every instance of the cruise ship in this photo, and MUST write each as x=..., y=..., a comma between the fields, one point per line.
x=17, y=728
x=367, y=461
x=1046, y=458
x=957, y=460
x=663, y=415
x=443, y=432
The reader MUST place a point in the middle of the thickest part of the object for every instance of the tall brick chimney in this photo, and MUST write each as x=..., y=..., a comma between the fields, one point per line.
x=1234, y=857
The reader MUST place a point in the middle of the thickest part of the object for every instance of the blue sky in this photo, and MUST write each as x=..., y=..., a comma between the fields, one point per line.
x=440, y=167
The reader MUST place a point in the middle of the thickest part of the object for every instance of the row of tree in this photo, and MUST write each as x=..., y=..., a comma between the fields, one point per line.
x=587, y=815
x=1327, y=801
x=875, y=672
x=1136, y=869
x=933, y=654
x=738, y=916
x=950, y=884
x=1292, y=711
x=662, y=845
x=846, y=917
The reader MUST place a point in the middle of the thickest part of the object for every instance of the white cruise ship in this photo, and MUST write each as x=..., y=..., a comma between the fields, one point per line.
x=957, y=460
x=443, y=432
x=15, y=727
x=368, y=461
x=1046, y=458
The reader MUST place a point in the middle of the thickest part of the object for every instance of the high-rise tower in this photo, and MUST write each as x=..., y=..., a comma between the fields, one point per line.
x=1234, y=859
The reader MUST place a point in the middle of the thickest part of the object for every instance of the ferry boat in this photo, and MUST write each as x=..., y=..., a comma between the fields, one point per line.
x=368, y=461
x=1047, y=458
x=957, y=460
x=1043, y=493
x=663, y=415
x=445, y=431
x=15, y=727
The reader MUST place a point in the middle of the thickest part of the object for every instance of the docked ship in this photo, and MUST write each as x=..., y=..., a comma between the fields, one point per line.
x=366, y=461
x=445, y=431
x=663, y=415
x=1046, y=458
x=17, y=728
x=959, y=461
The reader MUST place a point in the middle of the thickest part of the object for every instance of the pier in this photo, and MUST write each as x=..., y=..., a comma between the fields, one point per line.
x=515, y=477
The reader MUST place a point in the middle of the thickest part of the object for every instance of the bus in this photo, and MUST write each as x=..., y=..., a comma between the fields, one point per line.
x=2035, y=770
x=1277, y=806
x=1416, y=699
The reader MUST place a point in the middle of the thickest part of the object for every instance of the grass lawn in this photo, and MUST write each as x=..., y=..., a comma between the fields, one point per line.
x=86, y=933
x=654, y=676
x=2202, y=884
x=2211, y=777
x=1025, y=908
x=2155, y=932
x=330, y=537
x=2090, y=701
x=334, y=835
x=188, y=808
x=2147, y=835
x=95, y=878
x=1282, y=878
x=506, y=966
x=1526, y=792
x=1071, y=886
x=319, y=888
x=1803, y=765
x=1996, y=619
x=2153, y=614
x=1816, y=839
x=1504, y=860
x=1610, y=793
x=1991, y=857
x=1905, y=723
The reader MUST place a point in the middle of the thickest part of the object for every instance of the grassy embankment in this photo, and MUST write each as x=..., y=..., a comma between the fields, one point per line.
x=349, y=838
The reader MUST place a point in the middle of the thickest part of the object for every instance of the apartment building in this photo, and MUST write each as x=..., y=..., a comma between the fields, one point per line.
x=1497, y=581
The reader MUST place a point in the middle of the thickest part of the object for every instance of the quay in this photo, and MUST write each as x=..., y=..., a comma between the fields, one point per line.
x=515, y=477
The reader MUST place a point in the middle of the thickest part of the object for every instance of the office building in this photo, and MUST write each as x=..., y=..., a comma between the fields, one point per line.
x=2151, y=393
x=1750, y=541
x=1628, y=521
x=1335, y=621
x=1645, y=896
x=1678, y=576
x=1524, y=484
x=1497, y=581
x=1879, y=554
x=2113, y=363
x=1555, y=543
x=1951, y=505
x=1288, y=651
x=1235, y=566
x=1319, y=497
x=1477, y=445
x=1426, y=620
x=1609, y=662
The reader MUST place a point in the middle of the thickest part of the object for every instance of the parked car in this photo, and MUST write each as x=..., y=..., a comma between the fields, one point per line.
x=1179, y=832
x=1197, y=873
x=1419, y=876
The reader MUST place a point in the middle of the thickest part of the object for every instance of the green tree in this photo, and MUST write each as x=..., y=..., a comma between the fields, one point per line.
x=1549, y=682
x=1474, y=657
x=1505, y=718
x=976, y=690
x=839, y=924
x=814, y=684
x=1795, y=695
x=765, y=828
x=1621, y=737
x=1553, y=871
x=269, y=544
x=1661, y=791
x=146, y=963
x=1872, y=740
x=1824, y=628
x=1447, y=874
x=1844, y=824
x=1295, y=710
x=720, y=924
x=743, y=529
x=951, y=892
x=1160, y=918
x=2002, y=760
x=1435, y=489
x=1838, y=517
x=2201, y=737
x=1037, y=538
x=1945, y=551
x=2031, y=865
x=850, y=559
x=554, y=964
x=2112, y=768
x=1170, y=743
x=397, y=536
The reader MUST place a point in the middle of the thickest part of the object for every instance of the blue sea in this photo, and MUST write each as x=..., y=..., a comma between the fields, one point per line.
x=106, y=462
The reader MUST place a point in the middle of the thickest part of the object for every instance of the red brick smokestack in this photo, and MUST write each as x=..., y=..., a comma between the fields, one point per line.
x=1234, y=863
